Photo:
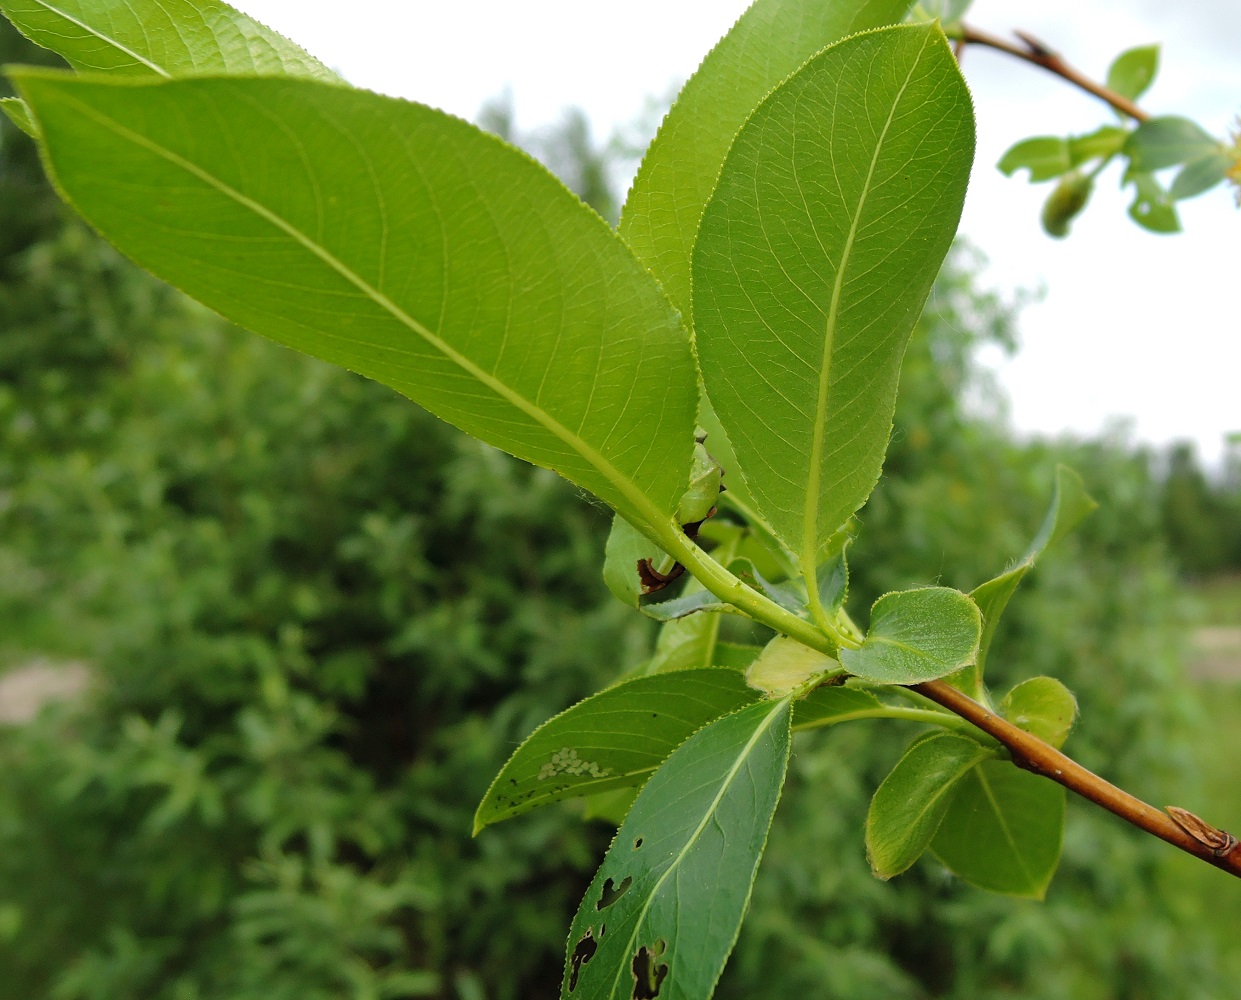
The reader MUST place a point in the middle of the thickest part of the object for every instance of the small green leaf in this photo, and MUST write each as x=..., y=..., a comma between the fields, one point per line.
x=833, y=571
x=17, y=112
x=915, y=636
x=1133, y=71
x=948, y=12
x=803, y=306
x=1152, y=207
x=785, y=665
x=1166, y=141
x=1097, y=145
x=1044, y=156
x=1003, y=830
x=1043, y=707
x=771, y=39
x=161, y=38
x=615, y=739
x=664, y=909
x=1200, y=175
x=1065, y=202
x=1070, y=505
x=704, y=487
x=825, y=706
x=910, y=803
x=401, y=243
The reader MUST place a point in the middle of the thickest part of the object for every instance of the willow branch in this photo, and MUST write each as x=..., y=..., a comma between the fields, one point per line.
x=1177, y=826
x=1033, y=51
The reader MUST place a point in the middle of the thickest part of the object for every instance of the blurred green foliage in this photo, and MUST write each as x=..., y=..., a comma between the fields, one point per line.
x=318, y=621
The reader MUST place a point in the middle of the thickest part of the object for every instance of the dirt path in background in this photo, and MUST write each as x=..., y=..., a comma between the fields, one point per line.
x=26, y=689
x=1217, y=654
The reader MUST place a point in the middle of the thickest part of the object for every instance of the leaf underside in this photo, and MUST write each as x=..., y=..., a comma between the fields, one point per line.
x=664, y=909
x=833, y=212
x=399, y=242
x=915, y=636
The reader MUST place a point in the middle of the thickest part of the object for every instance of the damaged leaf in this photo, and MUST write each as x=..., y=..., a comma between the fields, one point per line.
x=686, y=853
x=615, y=739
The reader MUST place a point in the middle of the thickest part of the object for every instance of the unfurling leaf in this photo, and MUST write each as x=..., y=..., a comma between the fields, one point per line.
x=915, y=636
x=664, y=909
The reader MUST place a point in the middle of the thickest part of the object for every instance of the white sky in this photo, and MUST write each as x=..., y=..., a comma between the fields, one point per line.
x=1132, y=325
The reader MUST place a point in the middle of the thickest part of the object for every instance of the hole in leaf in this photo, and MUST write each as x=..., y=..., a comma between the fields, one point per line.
x=648, y=971
x=612, y=892
x=637, y=843
x=583, y=952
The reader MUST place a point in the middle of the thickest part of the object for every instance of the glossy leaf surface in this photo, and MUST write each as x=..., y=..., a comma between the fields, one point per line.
x=161, y=38
x=1003, y=830
x=615, y=739
x=398, y=242
x=1041, y=706
x=910, y=803
x=771, y=39
x=1070, y=505
x=915, y=636
x=834, y=209
x=665, y=907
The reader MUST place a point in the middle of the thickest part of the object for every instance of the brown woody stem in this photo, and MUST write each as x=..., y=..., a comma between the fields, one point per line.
x=1178, y=827
x=1033, y=51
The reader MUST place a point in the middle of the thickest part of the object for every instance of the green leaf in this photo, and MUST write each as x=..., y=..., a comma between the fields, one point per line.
x=825, y=706
x=615, y=739
x=1133, y=71
x=1166, y=141
x=1043, y=707
x=785, y=665
x=1044, y=156
x=1200, y=175
x=665, y=907
x=399, y=242
x=910, y=803
x=627, y=549
x=948, y=12
x=610, y=807
x=684, y=643
x=1152, y=207
x=772, y=38
x=161, y=38
x=17, y=112
x=1097, y=145
x=833, y=571
x=915, y=636
x=1070, y=505
x=803, y=305
x=1003, y=830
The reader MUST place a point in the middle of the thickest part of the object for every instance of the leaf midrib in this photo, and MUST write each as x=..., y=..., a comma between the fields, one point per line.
x=693, y=838
x=1003, y=823
x=810, y=516
x=90, y=30
x=623, y=484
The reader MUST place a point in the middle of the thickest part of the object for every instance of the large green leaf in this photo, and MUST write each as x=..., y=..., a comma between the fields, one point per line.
x=664, y=909
x=1166, y=141
x=915, y=636
x=1070, y=505
x=772, y=38
x=908, y=806
x=162, y=38
x=1003, y=830
x=833, y=212
x=613, y=740
x=399, y=242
